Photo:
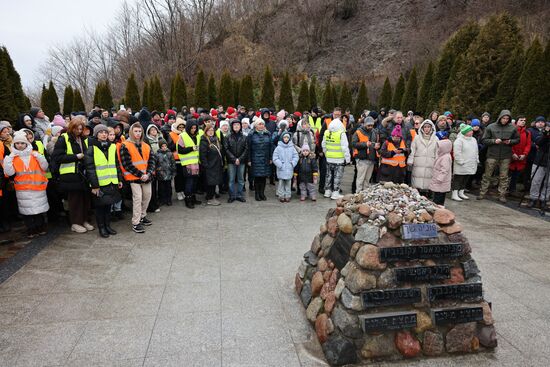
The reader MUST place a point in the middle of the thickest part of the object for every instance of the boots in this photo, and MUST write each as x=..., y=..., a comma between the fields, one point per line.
x=195, y=201
x=103, y=231
x=262, y=191
x=189, y=202
x=455, y=196
x=462, y=195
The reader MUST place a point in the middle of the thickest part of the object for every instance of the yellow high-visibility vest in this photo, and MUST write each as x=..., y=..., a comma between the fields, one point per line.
x=65, y=168
x=105, y=168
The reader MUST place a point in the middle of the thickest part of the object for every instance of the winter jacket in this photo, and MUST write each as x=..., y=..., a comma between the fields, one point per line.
x=535, y=133
x=422, y=157
x=387, y=172
x=166, y=165
x=301, y=136
x=307, y=168
x=29, y=202
x=153, y=141
x=42, y=125
x=89, y=161
x=236, y=147
x=126, y=159
x=466, y=154
x=70, y=181
x=503, y=132
x=337, y=127
x=364, y=152
x=285, y=158
x=260, y=152
x=211, y=159
x=543, y=146
x=387, y=125
x=442, y=171
x=523, y=148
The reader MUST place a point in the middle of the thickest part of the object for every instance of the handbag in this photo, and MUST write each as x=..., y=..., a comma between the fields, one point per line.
x=108, y=195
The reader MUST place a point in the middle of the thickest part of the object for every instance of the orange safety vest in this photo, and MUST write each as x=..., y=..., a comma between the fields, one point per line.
x=398, y=159
x=413, y=134
x=175, y=137
x=328, y=121
x=362, y=139
x=140, y=162
x=32, y=178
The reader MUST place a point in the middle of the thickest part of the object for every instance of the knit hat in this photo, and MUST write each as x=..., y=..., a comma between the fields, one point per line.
x=99, y=128
x=4, y=125
x=298, y=114
x=58, y=120
x=285, y=134
x=168, y=114
x=282, y=123
x=224, y=123
x=20, y=137
x=397, y=131
x=540, y=118
x=272, y=117
x=94, y=113
x=305, y=147
x=373, y=114
x=442, y=135
x=447, y=113
x=486, y=114
x=56, y=130
x=281, y=114
x=34, y=111
x=214, y=112
x=476, y=122
x=161, y=142
x=245, y=120
x=465, y=129
x=230, y=110
x=370, y=121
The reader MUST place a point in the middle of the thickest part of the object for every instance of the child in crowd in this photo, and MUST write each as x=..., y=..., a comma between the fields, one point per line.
x=285, y=158
x=442, y=170
x=466, y=156
x=30, y=183
x=307, y=174
x=166, y=171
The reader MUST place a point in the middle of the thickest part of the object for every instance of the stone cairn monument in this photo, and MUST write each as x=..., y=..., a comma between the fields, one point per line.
x=390, y=276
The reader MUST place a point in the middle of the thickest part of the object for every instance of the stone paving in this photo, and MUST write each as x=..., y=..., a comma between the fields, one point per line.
x=214, y=287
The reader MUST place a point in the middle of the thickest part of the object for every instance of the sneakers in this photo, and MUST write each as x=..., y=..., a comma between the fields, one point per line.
x=336, y=195
x=78, y=228
x=138, y=228
x=328, y=193
x=213, y=202
x=88, y=226
x=145, y=221
x=180, y=196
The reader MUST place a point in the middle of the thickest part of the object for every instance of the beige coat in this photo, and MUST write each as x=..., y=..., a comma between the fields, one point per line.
x=422, y=158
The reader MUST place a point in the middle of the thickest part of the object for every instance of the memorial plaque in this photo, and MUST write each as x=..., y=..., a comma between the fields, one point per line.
x=457, y=315
x=405, y=253
x=418, y=231
x=473, y=291
x=391, y=297
x=422, y=273
x=340, y=249
x=388, y=321
x=470, y=268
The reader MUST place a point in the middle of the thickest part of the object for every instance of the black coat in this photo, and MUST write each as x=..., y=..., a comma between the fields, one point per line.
x=71, y=181
x=211, y=156
x=543, y=146
x=260, y=152
x=89, y=161
x=236, y=147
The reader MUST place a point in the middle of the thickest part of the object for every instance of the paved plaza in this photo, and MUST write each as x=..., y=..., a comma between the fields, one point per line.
x=215, y=287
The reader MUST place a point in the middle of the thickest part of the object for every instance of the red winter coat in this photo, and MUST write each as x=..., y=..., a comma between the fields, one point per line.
x=522, y=148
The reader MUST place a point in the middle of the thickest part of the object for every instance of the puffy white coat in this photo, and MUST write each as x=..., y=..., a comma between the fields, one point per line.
x=422, y=158
x=29, y=202
x=335, y=126
x=466, y=155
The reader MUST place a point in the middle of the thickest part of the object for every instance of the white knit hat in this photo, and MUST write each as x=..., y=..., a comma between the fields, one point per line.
x=20, y=137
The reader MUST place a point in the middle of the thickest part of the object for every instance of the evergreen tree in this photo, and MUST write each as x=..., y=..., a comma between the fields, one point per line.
x=178, y=93
x=8, y=109
x=51, y=105
x=201, y=90
x=484, y=63
x=546, y=81
x=335, y=94
x=236, y=88
x=425, y=88
x=68, y=100
x=528, y=97
x=449, y=100
x=246, y=92
x=385, y=98
x=362, y=102
x=328, y=98
x=268, y=90
x=226, y=90
x=346, y=99
x=14, y=81
x=78, y=102
x=156, y=96
x=96, y=93
x=105, y=96
x=212, y=94
x=303, y=97
x=457, y=44
x=410, y=98
x=507, y=87
x=398, y=93
x=313, y=93
x=145, y=100
x=286, y=102
x=27, y=103
x=131, y=95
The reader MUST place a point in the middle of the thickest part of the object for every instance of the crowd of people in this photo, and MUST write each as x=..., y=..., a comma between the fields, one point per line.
x=86, y=164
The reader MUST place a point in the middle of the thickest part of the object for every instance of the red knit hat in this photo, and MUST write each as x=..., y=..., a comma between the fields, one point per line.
x=273, y=117
x=297, y=114
x=258, y=113
x=195, y=115
x=230, y=110
x=168, y=113
x=213, y=112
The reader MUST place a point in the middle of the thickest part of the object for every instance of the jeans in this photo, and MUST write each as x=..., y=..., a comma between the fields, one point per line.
x=335, y=173
x=284, y=189
x=503, y=178
x=540, y=187
x=238, y=172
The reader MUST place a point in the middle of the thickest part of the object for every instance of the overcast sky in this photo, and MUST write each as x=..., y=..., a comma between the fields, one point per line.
x=29, y=27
